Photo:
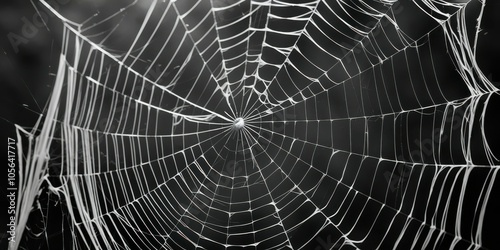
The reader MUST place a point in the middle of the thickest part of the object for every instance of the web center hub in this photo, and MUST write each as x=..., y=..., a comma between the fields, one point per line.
x=238, y=123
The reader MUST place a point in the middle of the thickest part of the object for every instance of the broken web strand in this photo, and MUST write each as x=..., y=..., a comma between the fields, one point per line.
x=36, y=162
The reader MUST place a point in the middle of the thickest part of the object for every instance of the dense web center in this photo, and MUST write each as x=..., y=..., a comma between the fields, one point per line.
x=239, y=123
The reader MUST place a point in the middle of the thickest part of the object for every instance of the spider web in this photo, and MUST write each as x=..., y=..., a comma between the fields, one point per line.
x=268, y=125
